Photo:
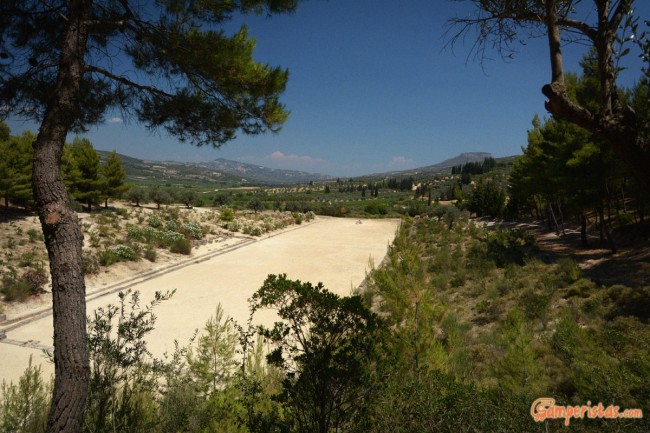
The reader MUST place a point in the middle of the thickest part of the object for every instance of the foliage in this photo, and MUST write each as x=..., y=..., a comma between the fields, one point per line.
x=227, y=214
x=154, y=221
x=181, y=245
x=16, y=169
x=19, y=288
x=376, y=208
x=87, y=188
x=113, y=177
x=192, y=230
x=322, y=345
x=509, y=246
x=137, y=195
x=24, y=406
x=256, y=205
x=487, y=198
x=123, y=376
x=213, y=363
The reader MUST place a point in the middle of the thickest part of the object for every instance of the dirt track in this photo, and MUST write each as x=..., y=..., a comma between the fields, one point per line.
x=331, y=250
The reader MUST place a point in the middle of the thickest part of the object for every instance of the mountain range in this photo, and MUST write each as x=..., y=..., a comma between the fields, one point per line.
x=227, y=172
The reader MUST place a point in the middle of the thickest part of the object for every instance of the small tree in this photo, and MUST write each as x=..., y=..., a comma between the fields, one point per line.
x=113, y=177
x=16, y=168
x=137, y=195
x=189, y=198
x=159, y=195
x=256, y=205
x=87, y=188
x=323, y=345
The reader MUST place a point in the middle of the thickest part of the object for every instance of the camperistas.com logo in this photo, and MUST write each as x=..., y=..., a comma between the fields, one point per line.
x=545, y=408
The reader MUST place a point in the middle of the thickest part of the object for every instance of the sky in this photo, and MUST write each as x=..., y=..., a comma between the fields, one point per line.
x=373, y=87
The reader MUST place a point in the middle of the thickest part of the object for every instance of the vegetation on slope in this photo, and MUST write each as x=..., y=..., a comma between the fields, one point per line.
x=470, y=326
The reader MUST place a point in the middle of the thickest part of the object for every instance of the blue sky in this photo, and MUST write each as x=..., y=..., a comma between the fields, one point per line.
x=372, y=88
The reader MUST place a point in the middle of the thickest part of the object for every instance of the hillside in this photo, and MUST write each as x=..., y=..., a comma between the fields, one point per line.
x=220, y=171
x=434, y=169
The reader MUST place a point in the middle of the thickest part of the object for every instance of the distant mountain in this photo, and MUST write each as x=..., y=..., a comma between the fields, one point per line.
x=432, y=170
x=219, y=171
x=263, y=174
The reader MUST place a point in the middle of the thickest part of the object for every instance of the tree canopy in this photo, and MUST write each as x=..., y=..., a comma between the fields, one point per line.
x=168, y=64
x=609, y=27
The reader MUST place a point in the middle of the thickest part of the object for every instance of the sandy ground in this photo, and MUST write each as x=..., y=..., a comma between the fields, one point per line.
x=336, y=252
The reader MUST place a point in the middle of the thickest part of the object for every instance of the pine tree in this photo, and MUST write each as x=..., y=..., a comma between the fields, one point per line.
x=113, y=177
x=88, y=188
x=16, y=168
x=179, y=70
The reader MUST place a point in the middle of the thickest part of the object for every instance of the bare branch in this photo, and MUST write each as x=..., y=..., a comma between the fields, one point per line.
x=52, y=8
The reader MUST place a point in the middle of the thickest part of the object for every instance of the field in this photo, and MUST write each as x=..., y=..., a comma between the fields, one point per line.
x=334, y=251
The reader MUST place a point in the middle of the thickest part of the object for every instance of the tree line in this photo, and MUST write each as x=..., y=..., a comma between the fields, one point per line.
x=87, y=179
x=568, y=173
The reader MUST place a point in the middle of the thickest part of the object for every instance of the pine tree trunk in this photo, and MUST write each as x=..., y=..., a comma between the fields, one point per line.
x=63, y=235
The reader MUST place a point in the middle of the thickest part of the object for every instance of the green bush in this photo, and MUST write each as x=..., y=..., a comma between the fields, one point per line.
x=24, y=406
x=192, y=230
x=150, y=254
x=171, y=226
x=227, y=214
x=233, y=226
x=376, y=208
x=181, y=246
x=35, y=235
x=125, y=253
x=90, y=264
x=108, y=257
x=15, y=289
x=509, y=246
x=154, y=221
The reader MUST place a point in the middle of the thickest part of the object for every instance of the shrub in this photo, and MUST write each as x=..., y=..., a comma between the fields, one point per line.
x=154, y=221
x=171, y=226
x=25, y=405
x=36, y=278
x=124, y=213
x=233, y=226
x=125, y=253
x=181, y=246
x=220, y=200
x=108, y=257
x=227, y=214
x=15, y=289
x=256, y=231
x=150, y=254
x=567, y=271
x=192, y=230
x=27, y=259
x=297, y=217
x=509, y=246
x=376, y=208
x=35, y=235
x=90, y=264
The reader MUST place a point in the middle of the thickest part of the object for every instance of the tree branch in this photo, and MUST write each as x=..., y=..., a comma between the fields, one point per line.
x=126, y=81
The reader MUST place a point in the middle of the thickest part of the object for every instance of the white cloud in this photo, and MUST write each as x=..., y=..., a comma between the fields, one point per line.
x=280, y=157
x=400, y=162
x=115, y=120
